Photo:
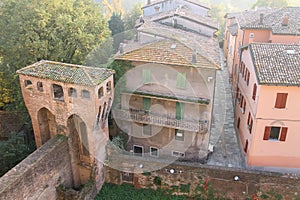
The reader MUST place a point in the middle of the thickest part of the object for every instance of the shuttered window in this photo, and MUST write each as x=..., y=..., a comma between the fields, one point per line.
x=254, y=91
x=146, y=76
x=275, y=133
x=281, y=100
x=181, y=80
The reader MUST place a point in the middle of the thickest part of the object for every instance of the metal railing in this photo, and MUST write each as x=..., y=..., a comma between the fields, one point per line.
x=146, y=117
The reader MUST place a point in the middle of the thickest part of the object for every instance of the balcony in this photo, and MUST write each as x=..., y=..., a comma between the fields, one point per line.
x=142, y=116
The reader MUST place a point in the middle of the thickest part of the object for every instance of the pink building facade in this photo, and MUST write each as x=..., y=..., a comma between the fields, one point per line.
x=267, y=114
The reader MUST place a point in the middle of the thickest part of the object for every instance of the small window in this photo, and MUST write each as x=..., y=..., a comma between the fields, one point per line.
x=72, y=92
x=154, y=151
x=249, y=123
x=179, y=135
x=108, y=87
x=281, y=100
x=100, y=92
x=40, y=86
x=28, y=84
x=254, y=91
x=246, y=146
x=178, y=154
x=275, y=133
x=181, y=80
x=147, y=129
x=146, y=76
x=138, y=150
x=58, y=92
x=85, y=94
x=238, y=123
x=247, y=76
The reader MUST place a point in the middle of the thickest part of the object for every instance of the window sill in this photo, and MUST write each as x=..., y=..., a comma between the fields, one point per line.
x=280, y=108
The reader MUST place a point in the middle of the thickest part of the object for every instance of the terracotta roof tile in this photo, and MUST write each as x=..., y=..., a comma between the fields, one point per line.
x=276, y=64
x=67, y=73
x=196, y=2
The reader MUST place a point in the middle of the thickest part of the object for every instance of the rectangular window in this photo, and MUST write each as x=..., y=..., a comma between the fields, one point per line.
x=178, y=154
x=146, y=103
x=250, y=122
x=179, y=110
x=275, y=133
x=179, y=135
x=281, y=100
x=154, y=151
x=146, y=76
x=146, y=129
x=181, y=79
x=247, y=77
x=254, y=91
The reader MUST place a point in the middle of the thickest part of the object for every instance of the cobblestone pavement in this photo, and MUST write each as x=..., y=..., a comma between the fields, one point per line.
x=226, y=147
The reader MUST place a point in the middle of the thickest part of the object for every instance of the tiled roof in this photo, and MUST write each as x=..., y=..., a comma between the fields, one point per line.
x=207, y=47
x=184, y=13
x=272, y=20
x=276, y=64
x=196, y=2
x=158, y=50
x=67, y=73
x=233, y=29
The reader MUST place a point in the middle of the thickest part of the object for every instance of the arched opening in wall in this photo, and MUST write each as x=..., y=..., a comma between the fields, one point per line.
x=28, y=84
x=108, y=87
x=100, y=93
x=99, y=115
x=79, y=150
x=47, y=124
x=58, y=92
x=72, y=92
x=246, y=146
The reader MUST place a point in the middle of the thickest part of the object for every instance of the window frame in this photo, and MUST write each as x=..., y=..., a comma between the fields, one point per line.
x=281, y=100
x=282, y=135
x=178, y=137
x=157, y=151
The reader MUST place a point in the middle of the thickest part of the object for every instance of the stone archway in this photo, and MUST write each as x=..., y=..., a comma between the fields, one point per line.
x=47, y=124
x=79, y=150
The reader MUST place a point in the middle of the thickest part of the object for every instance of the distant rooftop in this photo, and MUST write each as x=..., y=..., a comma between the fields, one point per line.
x=196, y=2
x=67, y=73
x=184, y=13
x=276, y=64
x=284, y=21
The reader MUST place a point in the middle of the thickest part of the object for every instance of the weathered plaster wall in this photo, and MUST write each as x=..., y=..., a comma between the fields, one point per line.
x=40, y=173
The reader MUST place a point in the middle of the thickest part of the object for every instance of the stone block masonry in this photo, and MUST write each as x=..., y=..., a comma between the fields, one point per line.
x=37, y=176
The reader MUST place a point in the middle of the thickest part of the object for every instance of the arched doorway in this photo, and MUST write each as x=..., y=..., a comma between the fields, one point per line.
x=47, y=124
x=79, y=150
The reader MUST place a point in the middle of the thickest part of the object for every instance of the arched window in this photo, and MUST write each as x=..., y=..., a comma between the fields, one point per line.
x=28, y=84
x=85, y=94
x=58, y=92
x=40, y=86
x=72, y=92
x=108, y=87
x=100, y=92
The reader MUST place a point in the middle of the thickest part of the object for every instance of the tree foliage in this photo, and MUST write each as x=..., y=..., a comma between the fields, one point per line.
x=59, y=30
x=131, y=16
x=116, y=24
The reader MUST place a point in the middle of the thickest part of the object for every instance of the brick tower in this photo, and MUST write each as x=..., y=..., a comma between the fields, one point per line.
x=72, y=100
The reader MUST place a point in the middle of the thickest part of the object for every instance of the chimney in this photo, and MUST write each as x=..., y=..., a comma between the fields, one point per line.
x=251, y=38
x=194, y=57
x=285, y=20
x=149, y=2
x=261, y=18
x=121, y=48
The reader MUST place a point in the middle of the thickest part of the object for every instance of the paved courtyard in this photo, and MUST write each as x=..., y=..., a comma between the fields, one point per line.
x=226, y=148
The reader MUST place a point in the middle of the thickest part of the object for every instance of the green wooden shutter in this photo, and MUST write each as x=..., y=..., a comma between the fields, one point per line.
x=181, y=80
x=146, y=103
x=179, y=110
x=146, y=76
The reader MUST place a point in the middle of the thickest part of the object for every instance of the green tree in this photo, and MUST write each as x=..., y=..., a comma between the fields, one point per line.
x=116, y=24
x=270, y=3
x=59, y=30
x=133, y=15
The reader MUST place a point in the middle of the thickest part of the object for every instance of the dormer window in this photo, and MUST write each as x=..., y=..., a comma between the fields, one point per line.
x=58, y=92
x=85, y=94
x=28, y=84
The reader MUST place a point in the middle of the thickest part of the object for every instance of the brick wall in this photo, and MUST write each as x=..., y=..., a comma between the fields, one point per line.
x=210, y=180
x=40, y=173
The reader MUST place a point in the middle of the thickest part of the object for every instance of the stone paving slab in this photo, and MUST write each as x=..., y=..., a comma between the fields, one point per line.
x=227, y=150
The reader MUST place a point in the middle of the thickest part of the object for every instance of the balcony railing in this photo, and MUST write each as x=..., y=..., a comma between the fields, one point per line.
x=145, y=117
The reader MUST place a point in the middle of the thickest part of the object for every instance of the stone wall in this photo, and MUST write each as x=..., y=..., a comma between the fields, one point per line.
x=208, y=181
x=40, y=173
